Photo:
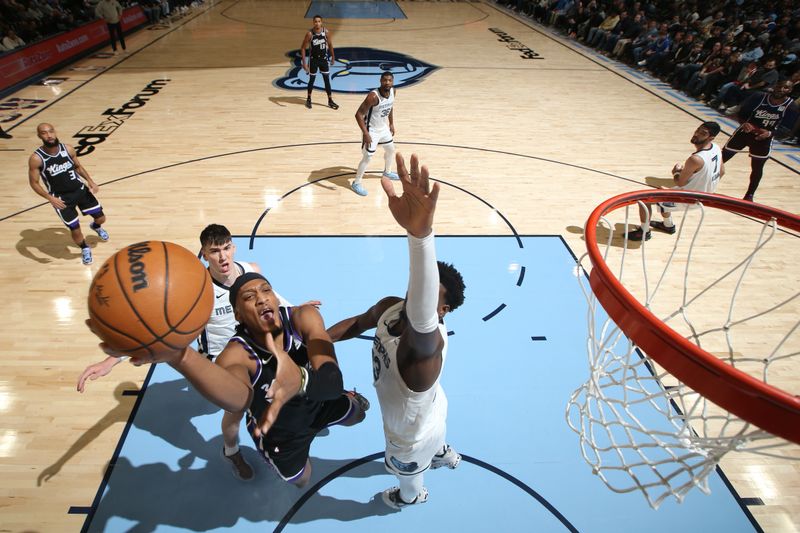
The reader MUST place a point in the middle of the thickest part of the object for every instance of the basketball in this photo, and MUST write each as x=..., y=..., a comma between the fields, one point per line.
x=149, y=298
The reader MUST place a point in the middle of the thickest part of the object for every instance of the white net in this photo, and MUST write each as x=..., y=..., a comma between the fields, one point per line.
x=641, y=428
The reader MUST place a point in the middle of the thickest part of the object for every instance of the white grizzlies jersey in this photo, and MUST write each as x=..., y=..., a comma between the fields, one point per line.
x=222, y=324
x=378, y=115
x=408, y=416
x=707, y=178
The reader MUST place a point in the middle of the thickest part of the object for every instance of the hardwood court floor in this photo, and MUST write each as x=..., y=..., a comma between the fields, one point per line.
x=528, y=144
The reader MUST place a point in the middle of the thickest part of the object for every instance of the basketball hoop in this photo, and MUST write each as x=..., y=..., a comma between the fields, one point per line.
x=676, y=382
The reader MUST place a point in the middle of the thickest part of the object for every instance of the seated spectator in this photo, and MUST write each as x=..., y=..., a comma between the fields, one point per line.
x=12, y=41
x=763, y=79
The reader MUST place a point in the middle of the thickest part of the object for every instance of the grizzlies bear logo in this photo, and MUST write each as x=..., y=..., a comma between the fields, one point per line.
x=357, y=70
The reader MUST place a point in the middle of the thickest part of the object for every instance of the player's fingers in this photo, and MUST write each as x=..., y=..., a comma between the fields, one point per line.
x=424, y=176
x=414, y=168
x=388, y=188
x=434, y=195
x=402, y=171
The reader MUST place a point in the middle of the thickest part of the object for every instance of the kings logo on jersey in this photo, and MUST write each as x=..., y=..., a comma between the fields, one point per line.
x=357, y=70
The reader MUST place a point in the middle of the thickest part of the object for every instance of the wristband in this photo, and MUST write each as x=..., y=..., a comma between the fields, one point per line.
x=303, y=381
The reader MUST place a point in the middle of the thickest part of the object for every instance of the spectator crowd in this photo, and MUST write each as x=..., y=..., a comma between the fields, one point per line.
x=718, y=51
x=24, y=22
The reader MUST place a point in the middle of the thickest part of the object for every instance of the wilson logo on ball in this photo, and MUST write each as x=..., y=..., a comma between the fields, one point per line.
x=138, y=275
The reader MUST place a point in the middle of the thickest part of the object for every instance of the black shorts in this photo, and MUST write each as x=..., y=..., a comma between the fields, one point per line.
x=741, y=140
x=82, y=199
x=320, y=63
x=288, y=453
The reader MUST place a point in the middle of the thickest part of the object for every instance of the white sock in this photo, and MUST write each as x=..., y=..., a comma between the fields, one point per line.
x=668, y=223
x=422, y=300
x=233, y=450
x=362, y=166
x=410, y=487
x=388, y=156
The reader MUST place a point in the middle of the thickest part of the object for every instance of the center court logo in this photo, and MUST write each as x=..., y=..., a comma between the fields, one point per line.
x=357, y=70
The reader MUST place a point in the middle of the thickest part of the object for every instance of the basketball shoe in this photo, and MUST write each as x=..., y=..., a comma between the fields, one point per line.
x=391, y=497
x=359, y=189
x=103, y=234
x=391, y=175
x=240, y=468
x=661, y=227
x=448, y=457
x=87, y=255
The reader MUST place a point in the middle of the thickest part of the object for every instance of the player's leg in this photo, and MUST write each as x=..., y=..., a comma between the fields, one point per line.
x=89, y=205
x=756, y=173
x=230, y=450
x=69, y=216
x=326, y=79
x=638, y=234
x=388, y=158
x=366, y=156
x=347, y=410
x=312, y=76
x=405, y=463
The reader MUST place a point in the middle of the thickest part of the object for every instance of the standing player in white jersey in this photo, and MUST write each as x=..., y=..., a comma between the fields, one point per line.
x=58, y=167
x=701, y=172
x=375, y=118
x=218, y=249
x=410, y=345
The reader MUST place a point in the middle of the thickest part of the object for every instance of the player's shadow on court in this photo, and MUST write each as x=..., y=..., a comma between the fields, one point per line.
x=659, y=183
x=47, y=244
x=153, y=493
x=283, y=101
x=332, y=177
x=118, y=414
x=618, y=240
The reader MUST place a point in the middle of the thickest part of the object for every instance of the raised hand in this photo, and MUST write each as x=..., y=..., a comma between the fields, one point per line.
x=97, y=370
x=414, y=209
x=287, y=382
x=166, y=356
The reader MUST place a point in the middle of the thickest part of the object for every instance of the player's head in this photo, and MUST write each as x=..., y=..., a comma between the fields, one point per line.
x=317, y=20
x=451, y=291
x=255, y=304
x=218, y=249
x=387, y=81
x=782, y=88
x=705, y=133
x=47, y=133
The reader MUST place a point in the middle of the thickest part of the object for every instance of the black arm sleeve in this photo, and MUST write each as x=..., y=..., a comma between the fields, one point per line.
x=325, y=383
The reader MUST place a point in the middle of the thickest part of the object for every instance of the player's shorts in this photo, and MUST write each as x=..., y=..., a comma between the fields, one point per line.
x=407, y=459
x=82, y=199
x=383, y=136
x=740, y=140
x=318, y=63
x=288, y=453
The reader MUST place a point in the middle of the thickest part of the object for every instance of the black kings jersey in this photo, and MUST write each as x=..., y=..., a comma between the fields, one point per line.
x=319, y=44
x=768, y=116
x=298, y=414
x=58, y=171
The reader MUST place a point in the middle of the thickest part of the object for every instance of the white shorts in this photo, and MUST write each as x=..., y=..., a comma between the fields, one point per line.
x=403, y=459
x=383, y=136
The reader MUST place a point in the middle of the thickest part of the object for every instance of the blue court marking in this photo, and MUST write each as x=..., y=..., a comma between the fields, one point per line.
x=379, y=9
x=793, y=157
x=507, y=399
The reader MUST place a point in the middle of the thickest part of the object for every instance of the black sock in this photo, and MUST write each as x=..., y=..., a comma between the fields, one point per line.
x=83, y=245
x=94, y=225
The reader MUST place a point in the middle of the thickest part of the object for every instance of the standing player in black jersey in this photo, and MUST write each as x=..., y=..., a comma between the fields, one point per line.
x=760, y=115
x=321, y=53
x=280, y=366
x=57, y=165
